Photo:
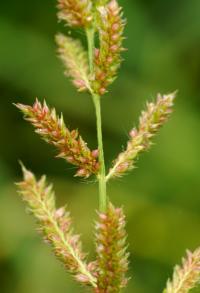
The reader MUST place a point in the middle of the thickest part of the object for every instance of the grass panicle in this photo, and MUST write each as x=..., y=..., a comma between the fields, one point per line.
x=94, y=70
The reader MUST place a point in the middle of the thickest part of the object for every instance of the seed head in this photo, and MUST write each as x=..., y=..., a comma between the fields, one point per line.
x=55, y=225
x=112, y=258
x=187, y=276
x=150, y=122
x=75, y=60
x=108, y=56
x=70, y=144
x=76, y=13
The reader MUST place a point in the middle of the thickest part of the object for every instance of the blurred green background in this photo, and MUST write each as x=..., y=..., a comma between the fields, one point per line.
x=161, y=197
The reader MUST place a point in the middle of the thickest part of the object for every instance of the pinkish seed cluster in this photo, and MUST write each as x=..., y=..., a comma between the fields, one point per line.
x=112, y=258
x=107, y=57
x=70, y=144
x=77, y=13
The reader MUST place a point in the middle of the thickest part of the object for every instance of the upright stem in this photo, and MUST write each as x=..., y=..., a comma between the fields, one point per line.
x=97, y=104
x=102, y=172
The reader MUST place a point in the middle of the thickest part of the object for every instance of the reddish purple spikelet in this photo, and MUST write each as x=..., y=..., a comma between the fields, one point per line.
x=107, y=58
x=76, y=13
x=112, y=258
x=71, y=146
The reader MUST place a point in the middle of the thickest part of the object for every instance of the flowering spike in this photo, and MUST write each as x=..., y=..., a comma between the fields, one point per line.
x=75, y=60
x=52, y=128
x=55, y=226
x=76, y=13
x=140, y=139
x=187, y=276
x=107, y=57
x=112, y=258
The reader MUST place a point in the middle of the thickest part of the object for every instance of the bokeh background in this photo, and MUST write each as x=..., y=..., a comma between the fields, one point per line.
x=161, y=197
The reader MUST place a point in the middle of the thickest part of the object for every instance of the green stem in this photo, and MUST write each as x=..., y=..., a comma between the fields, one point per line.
x=97, y=104
x=102, y=173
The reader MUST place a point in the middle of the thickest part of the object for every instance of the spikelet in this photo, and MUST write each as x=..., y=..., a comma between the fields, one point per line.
x=107, y=57
x=76, y=13
x=55, y=225
x=75, y=61
x=150, y=122
x=112, y=258
x=187, y=276
x=52, y=129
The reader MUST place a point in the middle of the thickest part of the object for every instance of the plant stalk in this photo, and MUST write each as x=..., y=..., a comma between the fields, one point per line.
x=97, y=104
x=102, y=173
